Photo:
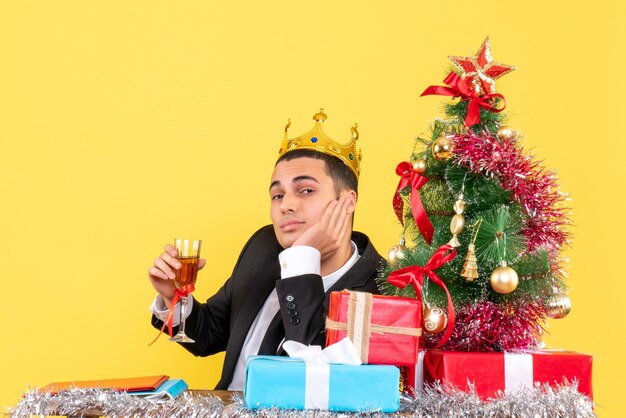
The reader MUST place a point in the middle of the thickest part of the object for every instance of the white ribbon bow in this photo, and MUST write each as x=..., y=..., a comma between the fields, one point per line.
x=317, y=363
x=342, y=352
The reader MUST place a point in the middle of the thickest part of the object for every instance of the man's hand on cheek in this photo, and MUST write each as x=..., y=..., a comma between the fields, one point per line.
x=330, y=232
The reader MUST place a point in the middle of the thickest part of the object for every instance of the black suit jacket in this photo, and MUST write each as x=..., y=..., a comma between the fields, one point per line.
x=222, y=323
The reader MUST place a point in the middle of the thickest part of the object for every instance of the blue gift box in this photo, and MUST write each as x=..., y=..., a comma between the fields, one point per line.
x=283, y=382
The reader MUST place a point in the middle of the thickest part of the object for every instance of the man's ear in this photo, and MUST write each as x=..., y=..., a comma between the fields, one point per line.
x=348, y=192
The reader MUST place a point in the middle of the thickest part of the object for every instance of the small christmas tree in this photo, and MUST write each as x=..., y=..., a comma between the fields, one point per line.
x=471, y=189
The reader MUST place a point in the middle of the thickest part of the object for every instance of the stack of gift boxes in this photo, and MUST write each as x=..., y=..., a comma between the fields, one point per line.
x=385, y=331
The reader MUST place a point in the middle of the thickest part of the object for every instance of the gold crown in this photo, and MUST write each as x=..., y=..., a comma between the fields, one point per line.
x=317, y=140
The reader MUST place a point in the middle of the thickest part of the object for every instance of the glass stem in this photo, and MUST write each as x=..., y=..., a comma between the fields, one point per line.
x=181, y=325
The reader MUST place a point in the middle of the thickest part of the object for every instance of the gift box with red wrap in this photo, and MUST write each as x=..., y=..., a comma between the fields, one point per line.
x=385, y=329
x=491, y=373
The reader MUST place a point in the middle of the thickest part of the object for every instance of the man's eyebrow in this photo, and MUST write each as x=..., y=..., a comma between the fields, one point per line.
x=302, y=178
x=274, y=183
x=295, y=180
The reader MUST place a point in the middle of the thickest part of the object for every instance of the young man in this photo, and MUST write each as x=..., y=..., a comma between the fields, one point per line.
x=279, y=287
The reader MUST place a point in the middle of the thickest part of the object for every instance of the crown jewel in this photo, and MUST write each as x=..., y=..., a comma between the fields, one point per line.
x=317, y=140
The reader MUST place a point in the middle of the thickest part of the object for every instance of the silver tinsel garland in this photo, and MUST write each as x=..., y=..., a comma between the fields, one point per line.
x=435, y=401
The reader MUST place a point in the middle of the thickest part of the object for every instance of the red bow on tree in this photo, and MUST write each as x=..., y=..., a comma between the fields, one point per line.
x=458, y=87
x=409, y=177
x=414, y=275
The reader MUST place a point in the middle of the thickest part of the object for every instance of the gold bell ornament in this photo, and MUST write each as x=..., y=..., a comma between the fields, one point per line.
x=470, y=266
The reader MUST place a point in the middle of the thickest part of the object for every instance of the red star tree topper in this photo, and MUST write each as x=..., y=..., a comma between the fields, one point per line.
x=480, y=71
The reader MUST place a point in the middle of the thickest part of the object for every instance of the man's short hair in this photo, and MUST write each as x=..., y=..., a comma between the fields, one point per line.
x=342, y=175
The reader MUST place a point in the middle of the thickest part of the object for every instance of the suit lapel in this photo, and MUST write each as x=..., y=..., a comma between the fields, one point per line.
x=260, y=284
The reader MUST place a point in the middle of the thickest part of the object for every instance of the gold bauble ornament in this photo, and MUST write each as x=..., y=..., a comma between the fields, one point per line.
x=419, y=166
x=505, y=133
x=442, y=148
x=435, y=320
x=558, y=306
x=504, y=279
x=395, y=255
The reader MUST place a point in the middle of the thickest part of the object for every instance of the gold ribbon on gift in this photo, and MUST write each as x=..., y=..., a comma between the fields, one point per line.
x=359, y=326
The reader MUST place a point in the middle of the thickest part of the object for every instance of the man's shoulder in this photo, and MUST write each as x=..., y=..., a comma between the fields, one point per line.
x=264, y=233
x=365, y=246
x=360, y=236
x=265, y=238
x=261, y=251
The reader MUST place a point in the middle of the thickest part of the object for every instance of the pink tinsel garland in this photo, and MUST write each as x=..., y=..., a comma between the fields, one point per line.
x=531, y=185
x=488, y=326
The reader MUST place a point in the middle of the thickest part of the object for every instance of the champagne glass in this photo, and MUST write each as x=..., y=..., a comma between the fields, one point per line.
x=188, y=255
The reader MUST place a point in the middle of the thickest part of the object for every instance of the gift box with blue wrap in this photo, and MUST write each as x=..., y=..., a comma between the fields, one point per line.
x=274, y=381
x=292, y=383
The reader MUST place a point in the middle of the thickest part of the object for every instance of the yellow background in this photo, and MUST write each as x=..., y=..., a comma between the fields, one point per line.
x=126, y=123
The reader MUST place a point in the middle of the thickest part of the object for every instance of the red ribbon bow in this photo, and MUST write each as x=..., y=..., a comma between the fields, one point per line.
x=458, y=87
x=169, y=319
x=414, y=275
x=409, y=177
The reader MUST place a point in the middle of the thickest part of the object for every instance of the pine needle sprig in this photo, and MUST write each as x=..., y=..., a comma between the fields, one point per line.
x=499, y=237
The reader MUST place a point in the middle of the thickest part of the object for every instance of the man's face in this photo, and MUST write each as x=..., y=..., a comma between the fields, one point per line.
x=300, y=190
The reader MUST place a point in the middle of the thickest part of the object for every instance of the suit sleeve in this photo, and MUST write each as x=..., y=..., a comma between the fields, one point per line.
x=301, y=301
x=303, y=308
x=207, y=324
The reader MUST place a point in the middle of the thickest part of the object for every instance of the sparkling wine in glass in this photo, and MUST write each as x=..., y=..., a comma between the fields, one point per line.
x=188, y=256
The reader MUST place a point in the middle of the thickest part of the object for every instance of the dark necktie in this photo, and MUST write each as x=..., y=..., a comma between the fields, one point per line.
x=273, y=336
